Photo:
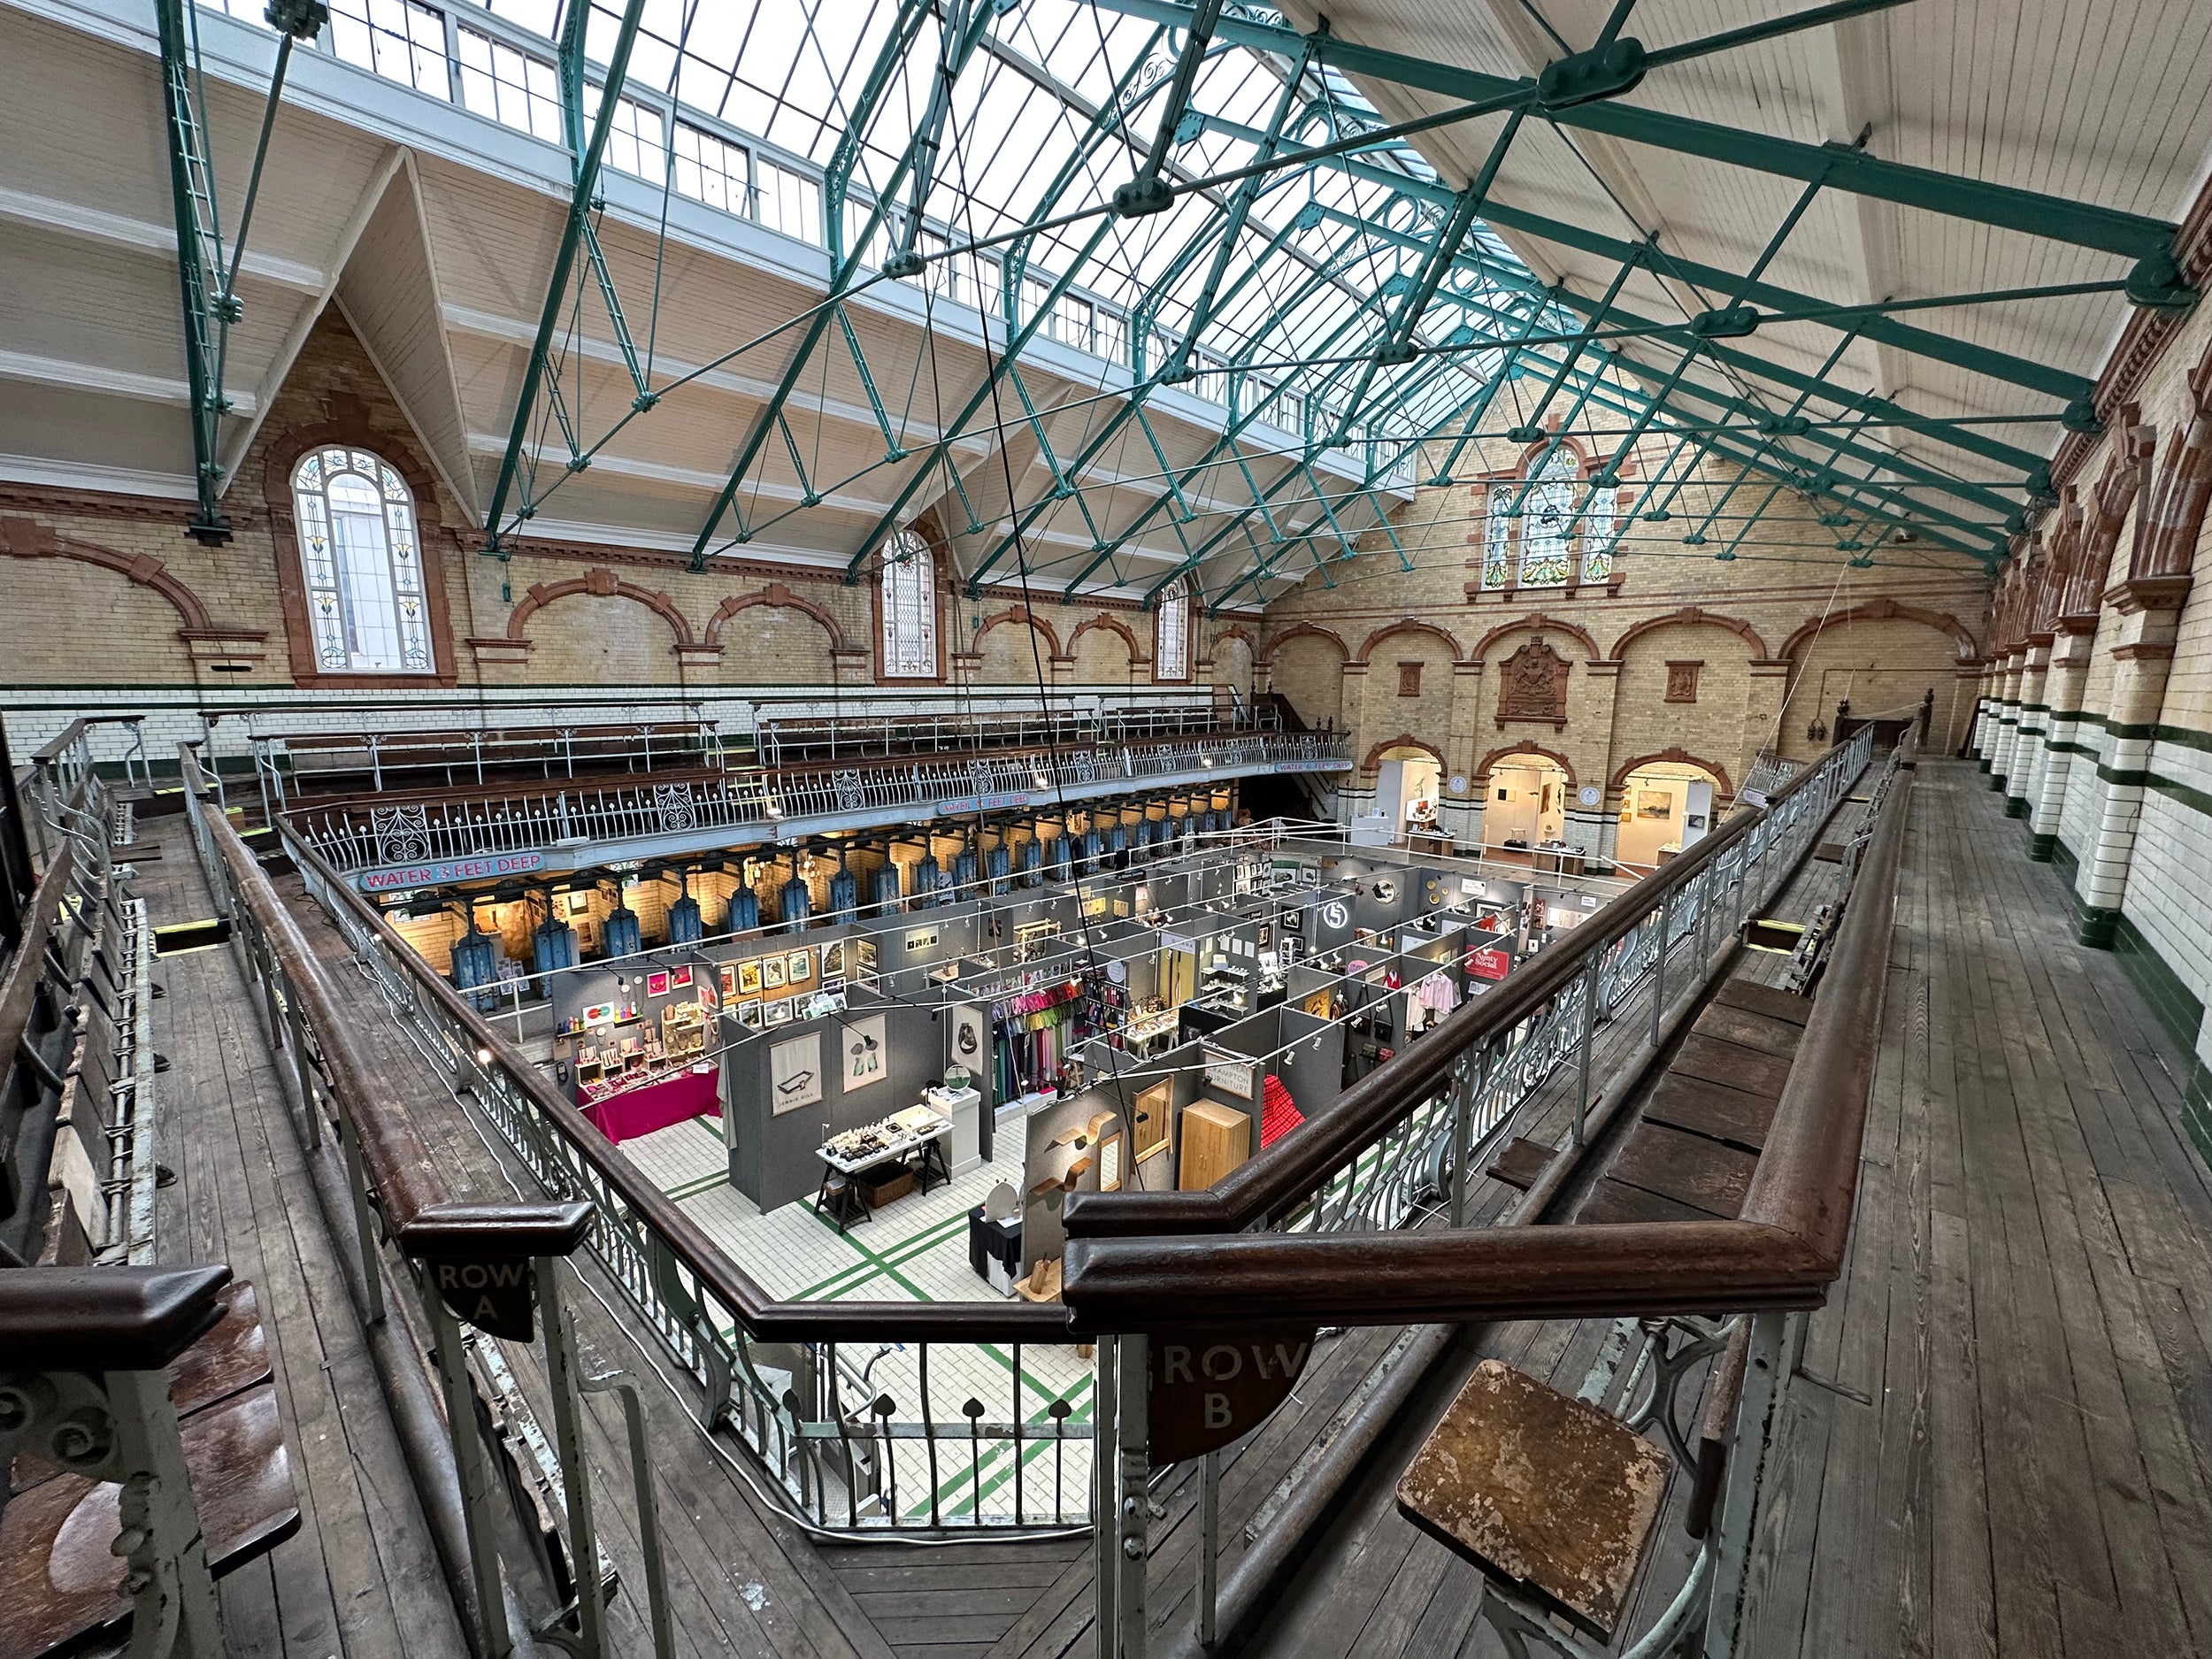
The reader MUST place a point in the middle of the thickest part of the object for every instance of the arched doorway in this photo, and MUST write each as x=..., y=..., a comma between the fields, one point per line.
x=1523, y=803
x=1406, y=779
x=1665, y=806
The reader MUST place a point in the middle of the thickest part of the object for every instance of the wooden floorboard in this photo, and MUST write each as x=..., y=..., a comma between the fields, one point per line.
x=361, y=1577
x=1999, y=1438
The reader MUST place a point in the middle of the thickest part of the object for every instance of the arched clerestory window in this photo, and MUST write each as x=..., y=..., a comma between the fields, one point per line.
x=362, y=562
x=908, y=599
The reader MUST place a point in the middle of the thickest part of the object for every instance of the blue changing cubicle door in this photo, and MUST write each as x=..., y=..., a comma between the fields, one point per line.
x=744, y=910
x=686, y=924
x=624, y=936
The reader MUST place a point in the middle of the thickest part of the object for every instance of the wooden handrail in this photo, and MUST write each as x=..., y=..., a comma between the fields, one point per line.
x=105, y=1318
x=1784, y=1251
x=763, y=1316
x=423, y=1220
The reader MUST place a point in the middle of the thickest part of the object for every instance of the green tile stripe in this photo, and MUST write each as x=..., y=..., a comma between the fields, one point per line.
x=2178, y=1011
x=2196, y=1110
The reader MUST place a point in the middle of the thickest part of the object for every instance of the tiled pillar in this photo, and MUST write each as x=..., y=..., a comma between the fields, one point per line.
x=2140, y=664
x=2027, y=751
x=2062, y=692
x=2008, y=718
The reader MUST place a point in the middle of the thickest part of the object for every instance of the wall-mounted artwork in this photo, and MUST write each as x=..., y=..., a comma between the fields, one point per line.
x=772, y=977
x=864, y=954
x=833, y=959
x=679, y=979
x=748, y=1014
x=778, y=1012
x=794, y=1071
x=656, y=984
x=1655, y=804
x=866, y=1060
x=801, y=964
x=729, y=980
x=748, y=978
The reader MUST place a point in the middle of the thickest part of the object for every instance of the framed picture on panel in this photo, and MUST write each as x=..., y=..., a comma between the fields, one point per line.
x=748, y=978
x=679, y=979
x=778, y=1012
x=771, y=973
x=801, y=964
x=833, y=959
x=656, y=984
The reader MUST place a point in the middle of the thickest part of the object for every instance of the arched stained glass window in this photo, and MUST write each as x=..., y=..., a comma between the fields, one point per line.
x=1497, y=541
x=1170, y=637
x=362, y=564
x=909, y=609
x=1545, y=518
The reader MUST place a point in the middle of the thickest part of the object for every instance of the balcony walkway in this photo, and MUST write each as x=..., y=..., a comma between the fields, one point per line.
x=2000, y=1438
x=2002, y=1444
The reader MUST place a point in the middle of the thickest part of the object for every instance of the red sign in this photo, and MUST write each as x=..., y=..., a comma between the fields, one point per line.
x=1489, y=964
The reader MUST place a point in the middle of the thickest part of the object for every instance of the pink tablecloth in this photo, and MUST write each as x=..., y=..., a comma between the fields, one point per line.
x=641, y=1110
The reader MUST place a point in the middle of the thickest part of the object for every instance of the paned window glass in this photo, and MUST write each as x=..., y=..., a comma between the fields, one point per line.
x=1497, y=541
x=909, y=609
x=1597, y=537
x=1544, y=520
x=709, y=169
x=397, y=39
x=362, y=564
x=1170, y=637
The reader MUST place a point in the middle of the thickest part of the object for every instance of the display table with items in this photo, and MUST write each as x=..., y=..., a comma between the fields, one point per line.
x=622, y=1111
x=866, y=1168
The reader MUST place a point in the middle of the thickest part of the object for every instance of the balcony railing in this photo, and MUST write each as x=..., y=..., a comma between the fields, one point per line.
x=1268, y=1240
x=367, y=835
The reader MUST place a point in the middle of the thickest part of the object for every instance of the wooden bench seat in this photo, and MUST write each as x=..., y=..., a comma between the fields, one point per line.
x=1520, y=1162
x=64, y=1583
x=1546, y=1495
x=1697, y=1140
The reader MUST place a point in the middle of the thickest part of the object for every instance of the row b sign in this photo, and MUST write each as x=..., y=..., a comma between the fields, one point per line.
x=1211, y=1387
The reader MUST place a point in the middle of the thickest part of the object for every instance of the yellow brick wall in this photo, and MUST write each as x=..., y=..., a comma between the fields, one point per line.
x=1787, y=572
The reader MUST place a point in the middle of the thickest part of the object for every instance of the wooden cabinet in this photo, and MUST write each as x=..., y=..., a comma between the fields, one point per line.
x=1216, y=1139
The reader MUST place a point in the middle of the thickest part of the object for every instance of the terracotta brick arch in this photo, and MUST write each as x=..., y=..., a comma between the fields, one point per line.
x=1366, y=651
x=1881, y=611
x=1690, y=616
x=1237, y=631
x=1537, y=622
x=1525, y=748
x=601, y=583
x=1404, y=740
x=1112, y=624
x=780, y=597
x=1675, y=756
x=1020, y=613
x=27, y=539
x=1265, y=657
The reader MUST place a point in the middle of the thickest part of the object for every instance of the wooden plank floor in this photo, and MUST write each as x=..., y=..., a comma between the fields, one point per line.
x=2000, y=1442
x=361, y=1577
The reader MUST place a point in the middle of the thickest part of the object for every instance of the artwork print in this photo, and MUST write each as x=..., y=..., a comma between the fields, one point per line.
x=748, y=978
x=795, y=1074
x=771, y=976
x=864, y=1059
